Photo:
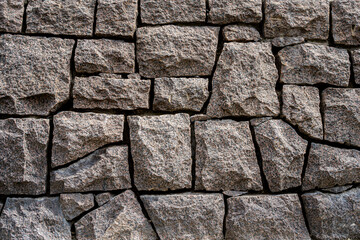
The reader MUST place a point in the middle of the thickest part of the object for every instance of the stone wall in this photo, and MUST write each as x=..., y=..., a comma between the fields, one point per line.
x=179, y=119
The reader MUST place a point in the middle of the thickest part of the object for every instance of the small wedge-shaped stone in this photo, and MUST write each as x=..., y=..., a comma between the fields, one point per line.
x=74, y=204
x=301, y=107
x=11, y=15
x=35, y=74
x=186, y=216
x=333, y=216
x=161, y=151
x=78, y=134
x=23, y=164
x=342, y=115
x=282, y=152
x=225, y=156
x=33, y=219
x=286, y=41
x=313, y=63
x=120, y=218
x=240, y=33
x=244, y=82
x=104, y=56
x=356, y=65
x=170, y=51
x=330, y=166
x=265, y=217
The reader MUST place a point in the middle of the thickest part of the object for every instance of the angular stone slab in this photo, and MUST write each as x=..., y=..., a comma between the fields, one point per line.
x=103, y=198
x=244, y=82
x=161, y=151
x=23, y=164
x=240, y=33
x=170, y=51
x=286, y=41
x=187, y=215
x=74, y=204
x=356, y=65
x=11, y=15
x=35, y=76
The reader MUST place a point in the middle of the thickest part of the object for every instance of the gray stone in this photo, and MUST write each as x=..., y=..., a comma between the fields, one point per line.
x=170, y=51
x=333, y=216
x=176, y=94
x=297, y=18
x=169, y=11
x=11, y=15
x=282, y=152
x=161, y=151
x=301, y=107
x=356, y=65
x=342, y=115
x=314, y=63
x=104, y=170
x=199, y=117
x=338, y=189
x=1, y=206
x=78, y=134
x=234, y=193
x=231, y=11
x=244, y=82
x=265, y=217
x=187, y=215
x=121, y=218
x=23, y=164
x=68, y=17
x=33, y=219
x=330, y=166
x=225, y=156
x=104, y=56
x=240, y=33
x=286, y=41
x=35, y=74
x=103, y=198
x=74, y=204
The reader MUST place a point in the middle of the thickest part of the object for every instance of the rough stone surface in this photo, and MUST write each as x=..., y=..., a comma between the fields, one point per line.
x=103, y=198
x=231, y=11
x=301, y=107
x=105, y=169
x=225, y=156
x=333, y=216
x=78, y=134
x=35, y=74
x=104, y=56
x=67, y=17
x=23, y=164
x=297, y=18
x=33, y=218
x=186, y=216
x=338, y=189
x=111, y=93
x=282, y=152
x=342, y=115
x=120, y=218
x=330, y=166
x=286, y=41
x=314, y=63
x=176, y=94
x=170, y=11
x=199, y=117
x=74, y=204
x=356, y=65
x=244, y=82
x=240, y=33
x=11, y=15
x=170, y=51
x=265, y=217
x=161, y=151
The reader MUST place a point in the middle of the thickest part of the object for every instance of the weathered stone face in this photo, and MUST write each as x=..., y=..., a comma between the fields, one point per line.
x=356, y=65
x=103, y=198
x=11, y=15
x=240, y=33
x=74, y=204
x=286, y=41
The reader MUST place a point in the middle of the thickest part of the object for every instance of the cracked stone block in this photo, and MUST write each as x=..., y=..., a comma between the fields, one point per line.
x=176, y=94
x=170, y=11
x=78, y=134
x=35, y=74
x=170, y=51
x=23, y=164
x=283, y=152
x=330, y=166
x=103, y=170
x=225, y=156
x=333, y=216
x=187, y=215
x=120, y=218
x=286, y=41
x=342, y=115
x=240, y=33
x=11, y=15
x=103, y=198
x=33, y=218
x=65, y=17
x=297, y=18
x=74, y=204
x=111, y=92
x=301, y=107
x=314, y=63
x=265, y=217
x=244, y=82
x=356, y=65
x=161, y=151
x=104, y=56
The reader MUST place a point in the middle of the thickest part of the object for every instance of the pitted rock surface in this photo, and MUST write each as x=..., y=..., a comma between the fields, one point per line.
x=11, y=15
x=286, y=41
x=240, y=33
x=356, y=65
x=74, y=204
x=103, y=198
